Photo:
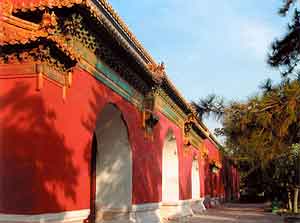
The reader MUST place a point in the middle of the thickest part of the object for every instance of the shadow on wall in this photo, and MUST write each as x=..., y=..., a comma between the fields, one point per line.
x=145, y=153
x=90, y=151
x=208, y=179
x=227, y=179
x=114, y=160
x=37, y=174
x=109, y=156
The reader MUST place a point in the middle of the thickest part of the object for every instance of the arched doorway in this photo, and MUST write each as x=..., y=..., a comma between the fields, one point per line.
x=170, y=170
x=112, y=162
x=195, y=180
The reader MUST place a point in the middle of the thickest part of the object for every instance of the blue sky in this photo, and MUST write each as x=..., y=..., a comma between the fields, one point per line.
x=208, y=46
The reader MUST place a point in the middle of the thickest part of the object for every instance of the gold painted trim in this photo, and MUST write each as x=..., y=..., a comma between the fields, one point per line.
x=136, y=100
x=195, y=140
x=167, y=107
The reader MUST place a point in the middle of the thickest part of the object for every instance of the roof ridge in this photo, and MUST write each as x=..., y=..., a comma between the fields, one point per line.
x=126, y=29
x=24, y=24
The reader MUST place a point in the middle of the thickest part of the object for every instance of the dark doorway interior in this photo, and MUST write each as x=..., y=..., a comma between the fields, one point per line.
x=92, y=218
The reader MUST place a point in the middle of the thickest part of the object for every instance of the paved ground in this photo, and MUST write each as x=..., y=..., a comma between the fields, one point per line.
x=238, y=213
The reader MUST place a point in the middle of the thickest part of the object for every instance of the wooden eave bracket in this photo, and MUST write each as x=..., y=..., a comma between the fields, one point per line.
x=67, y=80
x=149, y=118
x=187, y=128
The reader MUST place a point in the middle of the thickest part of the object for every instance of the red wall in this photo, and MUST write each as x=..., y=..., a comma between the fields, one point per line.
x=45, y=146
x=213, y=182
x=223, y=184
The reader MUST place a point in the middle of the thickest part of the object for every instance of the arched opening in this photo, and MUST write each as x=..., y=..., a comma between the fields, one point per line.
x=170, y=170
x=112, y=162
x=195, y=180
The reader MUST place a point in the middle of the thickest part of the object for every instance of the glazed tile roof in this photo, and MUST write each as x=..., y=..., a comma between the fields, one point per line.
x=25, y=5
x=14, y=31
x=18, y=31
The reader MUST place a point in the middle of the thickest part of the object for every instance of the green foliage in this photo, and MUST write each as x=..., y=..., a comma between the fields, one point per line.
x=266, y=126
x=211, y=105
x=263, y=135
x=285, y=52
x=267, y=85
x=287, y=4
x=295, y=151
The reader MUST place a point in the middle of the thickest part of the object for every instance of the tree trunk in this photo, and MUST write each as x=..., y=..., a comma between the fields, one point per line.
x=296, y=192
x=290, y=201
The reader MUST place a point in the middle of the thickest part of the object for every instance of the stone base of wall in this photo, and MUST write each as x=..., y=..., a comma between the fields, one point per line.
x=166, y=212
x=148, y=213
x=66, y=217
x=113, y=215
x=179, y=211
x=198, y=206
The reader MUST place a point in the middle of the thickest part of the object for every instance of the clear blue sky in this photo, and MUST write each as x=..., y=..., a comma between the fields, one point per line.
x=208, y=46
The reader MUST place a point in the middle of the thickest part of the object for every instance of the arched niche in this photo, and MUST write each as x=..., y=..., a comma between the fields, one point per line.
x=113, y=189
x=170, y=170
x=195, y=180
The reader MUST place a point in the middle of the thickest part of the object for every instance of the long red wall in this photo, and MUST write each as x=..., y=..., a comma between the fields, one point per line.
x=45, y=146
x=224, y=183
x=213, y=185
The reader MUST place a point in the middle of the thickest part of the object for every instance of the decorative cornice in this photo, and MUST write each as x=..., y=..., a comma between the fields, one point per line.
x=105, y=75
x=15, y=31
x=126, y=30
x=123, y=38
x=172, y=91
x=195, y=140
x=203, y=151
x=165, y=105
x=17, y=70
x=40, y=71
x=18, y=31
x=32, y=5
x=158, y=71
x=170, y=109
x=27, y=30
x=172, y=103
